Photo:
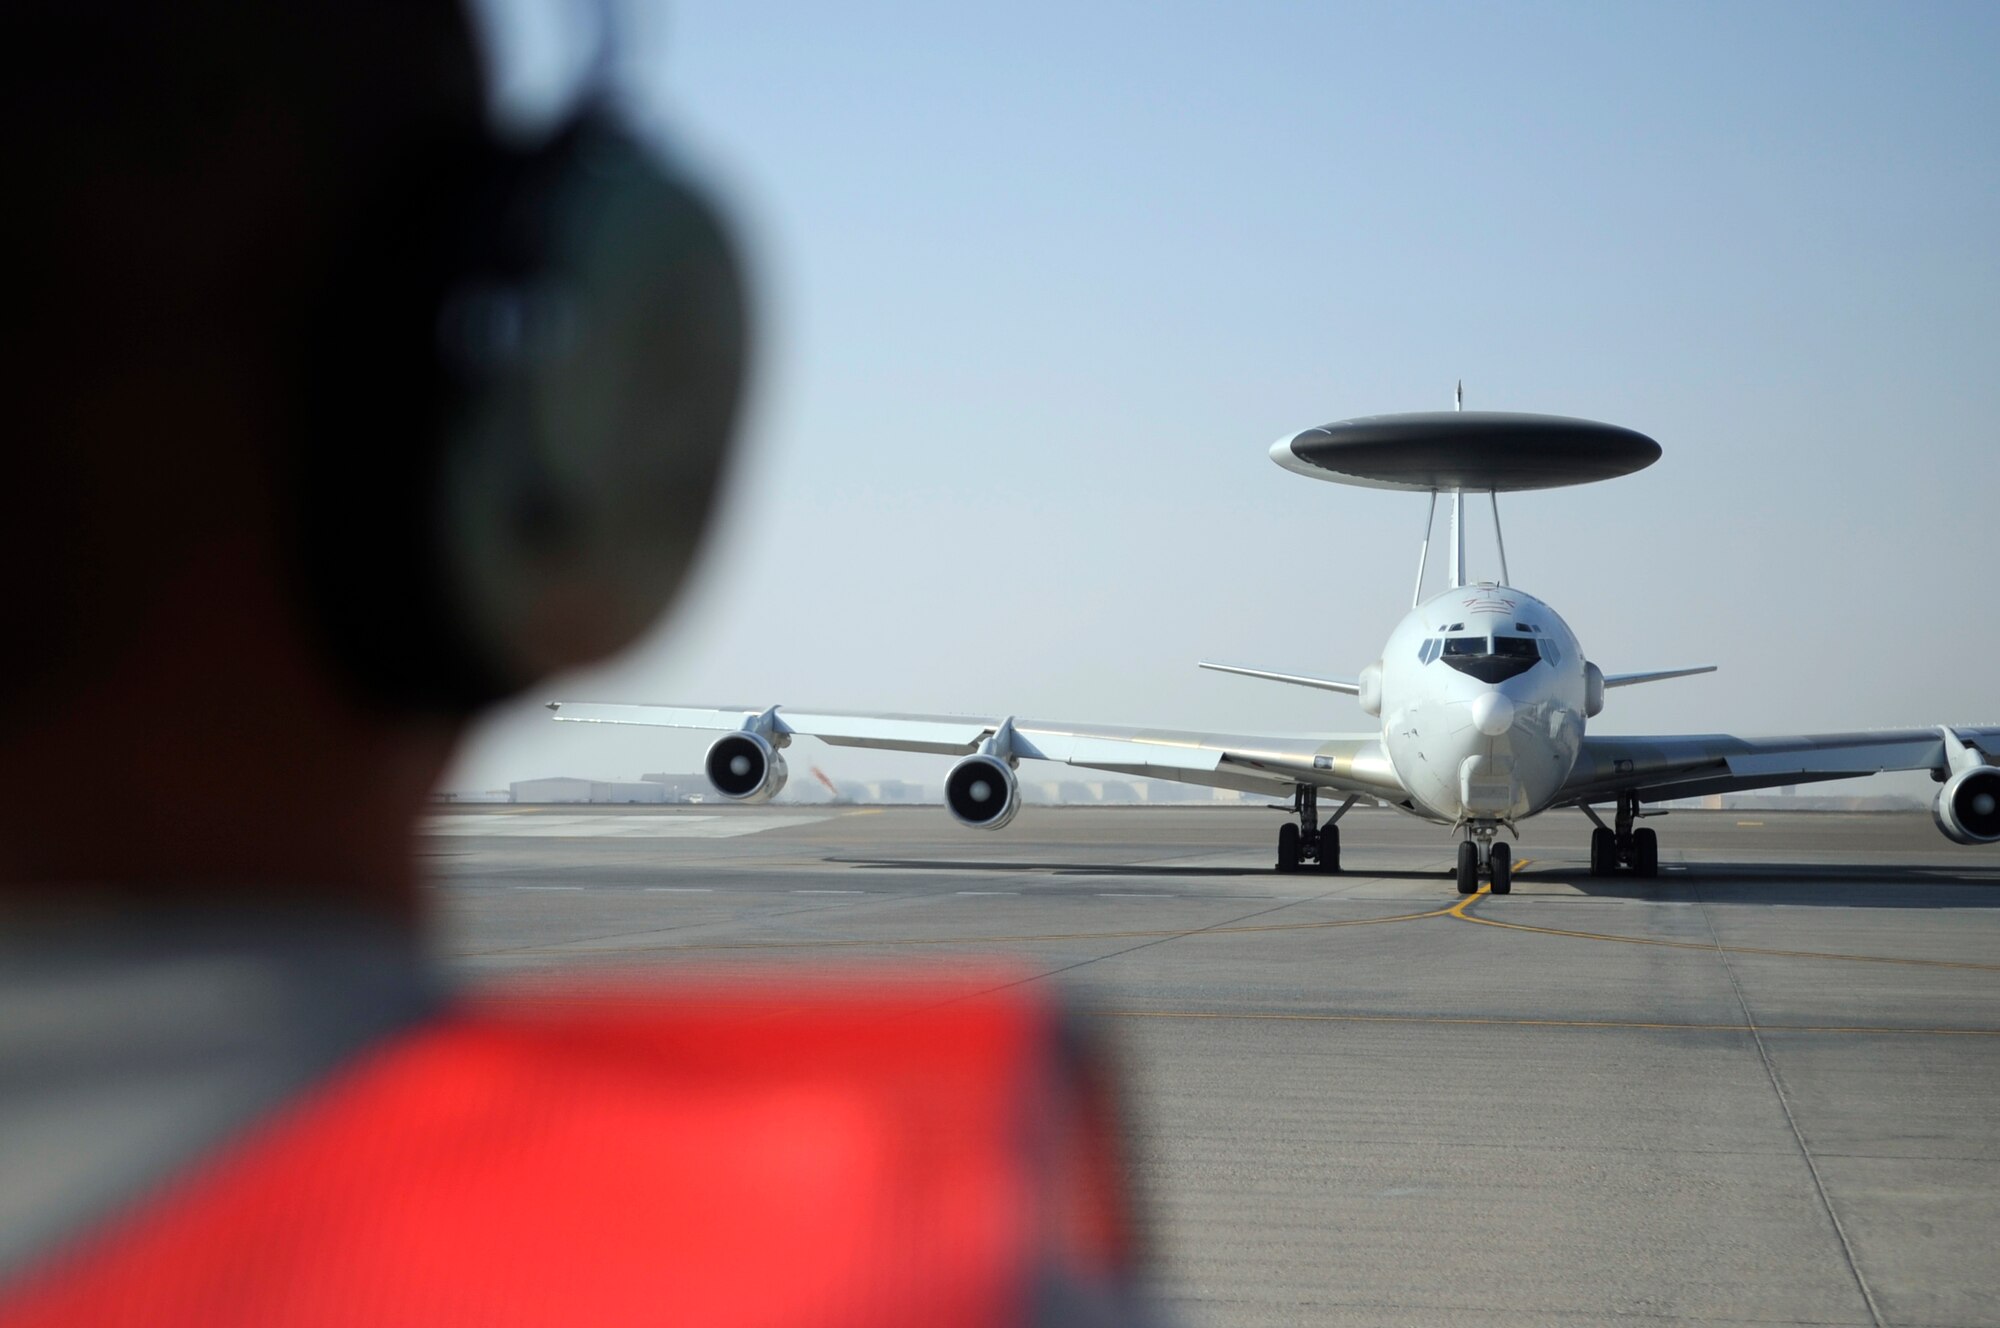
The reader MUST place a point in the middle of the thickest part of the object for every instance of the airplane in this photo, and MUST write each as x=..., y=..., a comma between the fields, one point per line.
x=1482, y=692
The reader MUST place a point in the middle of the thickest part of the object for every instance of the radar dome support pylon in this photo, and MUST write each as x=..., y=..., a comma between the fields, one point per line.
x=1458, y=578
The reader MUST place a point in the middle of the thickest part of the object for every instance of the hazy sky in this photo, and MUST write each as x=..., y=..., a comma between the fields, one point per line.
x=1040, y=284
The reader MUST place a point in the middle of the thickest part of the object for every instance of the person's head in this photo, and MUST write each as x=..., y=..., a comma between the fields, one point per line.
x=337, y=417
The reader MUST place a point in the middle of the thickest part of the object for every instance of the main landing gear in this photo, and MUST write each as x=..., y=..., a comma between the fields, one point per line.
x=1306, y=839
x=1480, y=856
x=1623, y=848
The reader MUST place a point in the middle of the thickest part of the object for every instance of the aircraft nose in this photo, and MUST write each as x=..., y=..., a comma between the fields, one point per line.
x=1492, y=714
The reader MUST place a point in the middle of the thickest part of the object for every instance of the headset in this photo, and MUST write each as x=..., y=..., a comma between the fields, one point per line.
x=521, y=382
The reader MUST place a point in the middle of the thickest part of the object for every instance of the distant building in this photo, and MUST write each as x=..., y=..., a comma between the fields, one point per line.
x=682, y=787
x=562, y=789
x=1771, y=800
x=896, y=790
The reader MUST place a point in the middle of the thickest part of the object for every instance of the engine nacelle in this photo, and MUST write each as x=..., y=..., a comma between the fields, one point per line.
x=744, y=767
x=981, y=792
x=1968, y=806
x=1593, y=691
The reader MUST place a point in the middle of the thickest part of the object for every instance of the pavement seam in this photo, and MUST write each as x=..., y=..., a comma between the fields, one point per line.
x=1225, y=927
x=581, y=945
x=1587, y=1316
x=1458, y=912
x=1791, y=1121
x=1623, y=1025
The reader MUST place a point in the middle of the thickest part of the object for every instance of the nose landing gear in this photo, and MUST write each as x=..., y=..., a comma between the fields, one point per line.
x=1623, y=848
x=1479, y=855
x=1306, y=839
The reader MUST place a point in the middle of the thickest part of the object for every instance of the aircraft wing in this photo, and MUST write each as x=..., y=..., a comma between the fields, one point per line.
x=1694, y=765
x=1249, y=762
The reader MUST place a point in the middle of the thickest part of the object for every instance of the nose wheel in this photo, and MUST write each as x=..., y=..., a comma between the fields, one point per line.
x=1480, y=856
x=1624, y=849
x=1305, y=841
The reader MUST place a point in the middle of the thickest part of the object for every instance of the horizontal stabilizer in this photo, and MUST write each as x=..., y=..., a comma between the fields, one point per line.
x=1296, y=679
x=1628, y=679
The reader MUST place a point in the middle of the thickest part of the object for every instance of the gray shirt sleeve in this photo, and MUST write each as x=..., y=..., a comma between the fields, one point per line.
x=133, y=1044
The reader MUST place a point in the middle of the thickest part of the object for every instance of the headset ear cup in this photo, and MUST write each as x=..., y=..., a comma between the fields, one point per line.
x=603, y=392
x=522, y=387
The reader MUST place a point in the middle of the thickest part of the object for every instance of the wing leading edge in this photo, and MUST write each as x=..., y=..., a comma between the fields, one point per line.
x=1251, y=763
x=1689, y=766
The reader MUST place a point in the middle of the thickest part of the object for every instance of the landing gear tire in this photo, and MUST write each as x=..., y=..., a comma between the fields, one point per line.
x=1502, y=860
x=1603, y=852
x=1468, y=867
x=1645, y=852
x=1329, y=848
x=1288, y=847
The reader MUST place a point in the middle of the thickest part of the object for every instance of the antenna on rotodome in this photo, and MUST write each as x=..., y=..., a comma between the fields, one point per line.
x=1457, y=508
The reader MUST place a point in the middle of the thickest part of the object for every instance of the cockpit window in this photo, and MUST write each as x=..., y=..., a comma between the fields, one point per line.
x=1491, y=658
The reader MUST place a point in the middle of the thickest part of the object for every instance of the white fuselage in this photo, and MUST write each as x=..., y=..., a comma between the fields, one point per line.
x=1483, y=695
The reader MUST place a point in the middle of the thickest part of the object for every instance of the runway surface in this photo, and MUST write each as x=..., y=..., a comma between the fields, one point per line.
x=1763, y=1088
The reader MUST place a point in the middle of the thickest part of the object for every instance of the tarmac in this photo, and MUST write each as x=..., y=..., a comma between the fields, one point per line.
x=1762, y=1088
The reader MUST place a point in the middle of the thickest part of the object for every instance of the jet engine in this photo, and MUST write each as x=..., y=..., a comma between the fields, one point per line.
x=1968, y=806
x=744, y=767
x=981, y=792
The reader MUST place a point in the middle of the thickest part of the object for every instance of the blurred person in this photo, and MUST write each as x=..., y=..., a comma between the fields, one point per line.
x=337, y=416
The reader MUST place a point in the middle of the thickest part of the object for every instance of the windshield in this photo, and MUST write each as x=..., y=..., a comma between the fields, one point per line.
x=1489, y=658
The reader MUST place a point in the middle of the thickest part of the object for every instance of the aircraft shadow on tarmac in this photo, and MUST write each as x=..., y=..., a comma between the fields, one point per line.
x=1885, y=885
x=1072, y=868
x=1889, y=885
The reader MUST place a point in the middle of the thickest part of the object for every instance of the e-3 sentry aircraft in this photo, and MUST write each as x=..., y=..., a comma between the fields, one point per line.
x=1483, y=694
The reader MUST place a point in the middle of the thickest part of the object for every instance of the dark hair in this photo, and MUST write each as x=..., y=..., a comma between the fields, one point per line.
x=180, y=177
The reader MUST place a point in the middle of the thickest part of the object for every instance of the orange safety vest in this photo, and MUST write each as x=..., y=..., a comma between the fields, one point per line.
x=894, y=1156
